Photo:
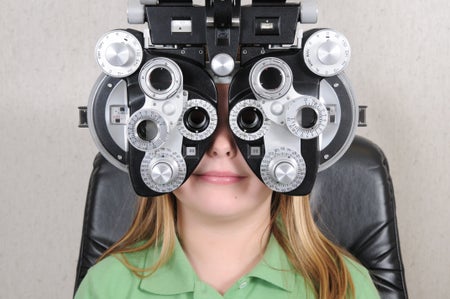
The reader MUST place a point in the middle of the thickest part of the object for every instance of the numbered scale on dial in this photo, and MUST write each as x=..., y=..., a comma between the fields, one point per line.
x=163, y=170
x=327, y=53
x=118, y=53
x=283, y=169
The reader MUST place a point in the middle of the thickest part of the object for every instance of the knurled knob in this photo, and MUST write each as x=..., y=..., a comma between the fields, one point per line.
x=162, y=173
x=326, y=52
x=118, y=54
x=284, y=172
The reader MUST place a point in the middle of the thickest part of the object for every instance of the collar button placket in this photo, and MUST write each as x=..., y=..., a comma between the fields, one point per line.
x=203, y=291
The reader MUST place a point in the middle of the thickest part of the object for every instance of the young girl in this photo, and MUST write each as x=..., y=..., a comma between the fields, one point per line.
x=224, y=234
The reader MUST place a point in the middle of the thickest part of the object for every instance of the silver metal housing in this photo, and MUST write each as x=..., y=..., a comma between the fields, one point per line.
x=328, y=95
x=118, y=135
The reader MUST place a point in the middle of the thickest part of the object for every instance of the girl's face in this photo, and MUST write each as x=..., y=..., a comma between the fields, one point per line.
x=223, y=185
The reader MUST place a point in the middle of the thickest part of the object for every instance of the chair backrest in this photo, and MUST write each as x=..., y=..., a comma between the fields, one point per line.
x=352, y=201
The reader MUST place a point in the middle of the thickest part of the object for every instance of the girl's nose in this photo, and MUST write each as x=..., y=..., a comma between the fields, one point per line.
x=223, y=144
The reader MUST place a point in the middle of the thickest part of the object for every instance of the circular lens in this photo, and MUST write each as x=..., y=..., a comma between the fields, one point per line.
x=307, y=117
x=271, y=78
x=147, y=130
x=160, y=78
x=196, y=119
x=250, y=119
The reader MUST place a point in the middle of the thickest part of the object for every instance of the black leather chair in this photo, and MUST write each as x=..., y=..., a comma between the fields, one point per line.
x=352, y=201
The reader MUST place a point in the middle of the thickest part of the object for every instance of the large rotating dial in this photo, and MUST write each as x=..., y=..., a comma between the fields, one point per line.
x=283, y=169
x=326, y=53
x=118, y=53
x=163, y=170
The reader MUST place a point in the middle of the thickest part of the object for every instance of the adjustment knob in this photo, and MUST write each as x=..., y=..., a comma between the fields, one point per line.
x=162, y=173
x=283, y=169
x=136, y=12
x=309, y=12
x=326, y=53
x=329, y=52
x=163, y=170
x=118, y=53
x=284, y=172
x=222, y=64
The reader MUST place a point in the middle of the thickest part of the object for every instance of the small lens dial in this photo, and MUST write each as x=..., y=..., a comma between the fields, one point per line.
x=199, y=120
x=147, y=130
x=248, y=121
x=306, y=117
x=118, y=53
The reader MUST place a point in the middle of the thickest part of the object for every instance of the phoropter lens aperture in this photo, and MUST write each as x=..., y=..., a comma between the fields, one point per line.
x=250, y=119
x=160, y=79
x=196, y=119
x=271, y=78
x=307, y=117
x=147, y=130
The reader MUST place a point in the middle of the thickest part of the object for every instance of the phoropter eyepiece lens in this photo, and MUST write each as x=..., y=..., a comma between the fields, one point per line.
x=196, y=119
x=199, y=120
x=147, y=130
x=160, y=79
x=271, y=78
x=307, y=117
x=250, y=119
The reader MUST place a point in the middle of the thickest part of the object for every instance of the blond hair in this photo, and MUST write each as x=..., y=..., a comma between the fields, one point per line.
x=311, y=254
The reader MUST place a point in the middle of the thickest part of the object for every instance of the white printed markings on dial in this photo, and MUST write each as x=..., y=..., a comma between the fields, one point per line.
x=327, y=52
x=294, y=117
x=118, y=53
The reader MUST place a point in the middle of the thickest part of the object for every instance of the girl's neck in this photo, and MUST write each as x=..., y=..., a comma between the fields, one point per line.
x=222, y=251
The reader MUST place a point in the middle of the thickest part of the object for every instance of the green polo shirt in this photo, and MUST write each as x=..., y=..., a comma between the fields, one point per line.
x=272, y=278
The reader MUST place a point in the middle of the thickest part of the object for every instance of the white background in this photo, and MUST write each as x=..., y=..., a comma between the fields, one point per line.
x=400, y=68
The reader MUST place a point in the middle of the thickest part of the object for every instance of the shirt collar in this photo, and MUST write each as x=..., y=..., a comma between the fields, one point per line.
x=275, y=267
x=177, y=276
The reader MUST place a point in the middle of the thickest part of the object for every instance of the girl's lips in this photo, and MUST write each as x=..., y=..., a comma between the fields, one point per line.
x=220, y=177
